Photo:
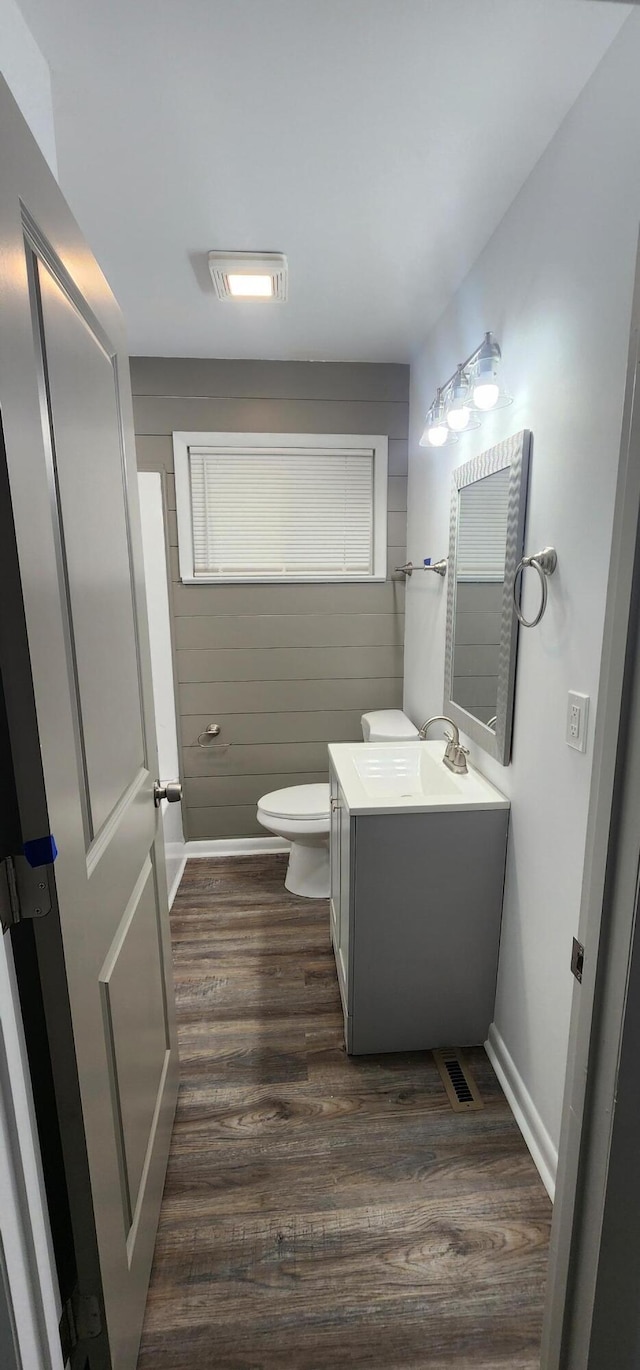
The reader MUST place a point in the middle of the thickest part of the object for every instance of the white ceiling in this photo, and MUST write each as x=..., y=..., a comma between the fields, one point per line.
x=377, y=143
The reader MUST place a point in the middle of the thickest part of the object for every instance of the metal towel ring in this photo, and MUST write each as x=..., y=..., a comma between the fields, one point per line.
x=545, y=563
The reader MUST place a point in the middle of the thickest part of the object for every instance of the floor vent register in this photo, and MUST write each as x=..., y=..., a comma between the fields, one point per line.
x=462, y=1090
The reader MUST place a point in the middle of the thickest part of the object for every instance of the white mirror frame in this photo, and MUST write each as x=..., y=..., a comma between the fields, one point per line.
x=513, y=453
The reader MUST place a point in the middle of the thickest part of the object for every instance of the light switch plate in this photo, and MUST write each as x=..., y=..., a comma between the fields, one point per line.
x=577, y=717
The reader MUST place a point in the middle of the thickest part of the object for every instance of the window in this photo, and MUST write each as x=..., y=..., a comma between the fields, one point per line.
x=281, y=506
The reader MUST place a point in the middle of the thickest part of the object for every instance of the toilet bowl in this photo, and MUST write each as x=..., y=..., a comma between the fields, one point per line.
x=301, y=813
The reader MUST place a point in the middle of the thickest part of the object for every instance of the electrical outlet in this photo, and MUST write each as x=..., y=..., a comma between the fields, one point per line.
x=577, y=715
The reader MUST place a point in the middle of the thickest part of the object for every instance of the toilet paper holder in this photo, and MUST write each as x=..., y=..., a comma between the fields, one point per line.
x=213, y=730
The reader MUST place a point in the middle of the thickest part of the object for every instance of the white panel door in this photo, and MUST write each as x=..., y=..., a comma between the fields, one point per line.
x=66, y=417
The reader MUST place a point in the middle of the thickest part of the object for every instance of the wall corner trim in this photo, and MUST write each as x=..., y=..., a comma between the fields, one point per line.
x=179, y=872
x=543, y=1151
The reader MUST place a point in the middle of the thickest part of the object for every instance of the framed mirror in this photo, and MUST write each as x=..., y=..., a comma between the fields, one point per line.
x=488, y=507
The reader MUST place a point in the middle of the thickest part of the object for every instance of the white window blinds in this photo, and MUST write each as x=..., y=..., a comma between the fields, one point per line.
x=482, y=528
x=291, y=513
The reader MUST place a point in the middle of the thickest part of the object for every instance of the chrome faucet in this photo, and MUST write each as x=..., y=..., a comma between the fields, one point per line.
x=455, y=755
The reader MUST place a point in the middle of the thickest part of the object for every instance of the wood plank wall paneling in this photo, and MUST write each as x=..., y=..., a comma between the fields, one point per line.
x=282, y=669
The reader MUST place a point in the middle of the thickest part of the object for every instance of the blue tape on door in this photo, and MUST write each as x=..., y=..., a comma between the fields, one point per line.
x=41, y=851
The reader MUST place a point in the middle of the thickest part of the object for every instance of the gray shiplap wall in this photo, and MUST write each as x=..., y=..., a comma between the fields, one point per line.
x=283, y=669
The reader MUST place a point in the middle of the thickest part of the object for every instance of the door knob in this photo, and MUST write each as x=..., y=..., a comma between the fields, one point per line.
x=167, y=789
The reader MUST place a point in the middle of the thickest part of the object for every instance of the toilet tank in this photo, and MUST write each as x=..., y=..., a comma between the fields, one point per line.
x=387, y=725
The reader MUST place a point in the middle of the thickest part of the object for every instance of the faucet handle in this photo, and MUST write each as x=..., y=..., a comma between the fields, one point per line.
x=451, y=745
x=459, y=756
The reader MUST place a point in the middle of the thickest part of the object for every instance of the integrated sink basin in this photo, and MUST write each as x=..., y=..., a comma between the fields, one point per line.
x=409, y=776
x=409, y=773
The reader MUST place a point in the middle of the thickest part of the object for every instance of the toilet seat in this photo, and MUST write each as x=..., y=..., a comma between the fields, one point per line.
x=300, y=803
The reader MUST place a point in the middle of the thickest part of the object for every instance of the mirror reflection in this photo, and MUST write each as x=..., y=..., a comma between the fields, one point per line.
x=480, y=571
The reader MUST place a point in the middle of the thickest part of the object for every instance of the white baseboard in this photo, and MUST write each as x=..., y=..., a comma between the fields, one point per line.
x=235, y=846
x=543, y=1151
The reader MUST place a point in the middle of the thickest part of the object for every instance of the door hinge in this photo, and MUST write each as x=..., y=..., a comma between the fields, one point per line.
x=577, y=960
x=80, y=1321
x=24, y=891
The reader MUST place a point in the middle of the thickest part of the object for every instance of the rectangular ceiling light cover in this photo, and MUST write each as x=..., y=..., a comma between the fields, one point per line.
x=249, y=275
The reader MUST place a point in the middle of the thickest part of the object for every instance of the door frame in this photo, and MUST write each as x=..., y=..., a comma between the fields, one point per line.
x=597, y=1098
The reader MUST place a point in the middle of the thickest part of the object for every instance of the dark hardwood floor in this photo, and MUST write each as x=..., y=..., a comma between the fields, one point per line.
x=322, y=1211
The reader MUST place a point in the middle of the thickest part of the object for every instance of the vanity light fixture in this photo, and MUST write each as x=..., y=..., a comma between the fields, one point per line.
x=475, y=389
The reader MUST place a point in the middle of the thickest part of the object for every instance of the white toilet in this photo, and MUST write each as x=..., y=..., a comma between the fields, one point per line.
x=301, y=813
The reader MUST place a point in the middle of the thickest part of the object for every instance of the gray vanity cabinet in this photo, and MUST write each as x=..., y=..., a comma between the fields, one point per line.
x=416, y=905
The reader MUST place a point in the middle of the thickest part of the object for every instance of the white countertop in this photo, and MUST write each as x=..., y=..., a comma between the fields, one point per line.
x=407, y=777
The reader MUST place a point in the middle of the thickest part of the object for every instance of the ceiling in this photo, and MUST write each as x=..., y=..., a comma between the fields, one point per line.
x=377, y=143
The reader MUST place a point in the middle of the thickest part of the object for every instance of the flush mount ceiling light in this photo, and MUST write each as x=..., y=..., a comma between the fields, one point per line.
x=475, y=389
x=249, y=275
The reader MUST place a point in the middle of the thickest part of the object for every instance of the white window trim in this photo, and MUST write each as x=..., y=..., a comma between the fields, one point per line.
x=378, y=443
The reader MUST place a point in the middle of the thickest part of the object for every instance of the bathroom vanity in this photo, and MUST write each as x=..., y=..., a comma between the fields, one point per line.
x=417, y=872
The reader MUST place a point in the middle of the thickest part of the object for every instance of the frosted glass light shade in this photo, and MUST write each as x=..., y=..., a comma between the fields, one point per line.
x=436, y=431
x=437, y=434
x=488, y=391
x=490, y=396
x=486, y=394
x=458, y=416
x=459, y=410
